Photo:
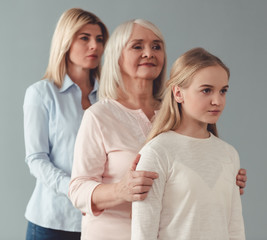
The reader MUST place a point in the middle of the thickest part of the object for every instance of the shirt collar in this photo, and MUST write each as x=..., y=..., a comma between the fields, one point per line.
x=95, y=86
x=67, y=83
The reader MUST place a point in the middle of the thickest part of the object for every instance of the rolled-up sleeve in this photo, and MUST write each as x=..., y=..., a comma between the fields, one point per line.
x=37, y=146
x=89, y=163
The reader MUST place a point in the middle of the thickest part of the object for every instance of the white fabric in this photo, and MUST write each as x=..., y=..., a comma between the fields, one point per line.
x=195, y=196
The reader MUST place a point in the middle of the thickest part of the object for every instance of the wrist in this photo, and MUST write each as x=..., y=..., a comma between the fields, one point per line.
x=118, y=193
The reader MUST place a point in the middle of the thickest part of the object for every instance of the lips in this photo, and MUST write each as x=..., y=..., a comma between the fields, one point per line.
x=148, y=64
x=92, y=56
x=214, y=112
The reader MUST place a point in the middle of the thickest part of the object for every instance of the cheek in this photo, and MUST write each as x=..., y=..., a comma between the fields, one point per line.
x=197, y=103
x=161, y=59
x=101, y=49
x=74, y=52
x=223, y=103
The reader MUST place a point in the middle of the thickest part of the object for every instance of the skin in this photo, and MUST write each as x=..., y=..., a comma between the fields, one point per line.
x=241, y=180
x=85, y=54
x=141, y=62
x=202, y=103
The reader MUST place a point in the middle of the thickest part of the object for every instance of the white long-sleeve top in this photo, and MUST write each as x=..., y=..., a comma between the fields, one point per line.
x=195, y=196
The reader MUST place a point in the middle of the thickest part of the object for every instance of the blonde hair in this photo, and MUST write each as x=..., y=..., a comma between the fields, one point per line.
x=68, y=25
x=182, y=72
x=111, y=77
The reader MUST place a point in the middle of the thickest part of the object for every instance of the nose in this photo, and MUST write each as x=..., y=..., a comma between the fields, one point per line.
x=217, y=99
x=93, y=44
x=147, y=53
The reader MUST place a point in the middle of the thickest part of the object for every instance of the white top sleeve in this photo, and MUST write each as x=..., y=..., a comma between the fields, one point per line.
x=146, y=214
x=236, y=224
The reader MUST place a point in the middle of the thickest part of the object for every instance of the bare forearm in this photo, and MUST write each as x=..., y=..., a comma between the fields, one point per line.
x=105, y=196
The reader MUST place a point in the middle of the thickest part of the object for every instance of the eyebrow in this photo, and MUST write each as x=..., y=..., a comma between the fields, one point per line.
x=141, y=40
x=211, y=86
x=88, y=34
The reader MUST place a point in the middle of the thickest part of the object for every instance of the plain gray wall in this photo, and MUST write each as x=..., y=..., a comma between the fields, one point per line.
x=234, y=30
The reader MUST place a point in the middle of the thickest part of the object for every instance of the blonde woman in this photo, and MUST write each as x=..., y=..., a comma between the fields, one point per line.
x=195, y=195
x=53, y=109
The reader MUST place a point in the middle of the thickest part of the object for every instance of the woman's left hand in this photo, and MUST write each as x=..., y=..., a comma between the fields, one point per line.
x=241, y=179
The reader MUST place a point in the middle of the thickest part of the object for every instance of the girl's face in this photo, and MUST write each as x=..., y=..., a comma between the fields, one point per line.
x=87, y=47
x=204, y=100
x=143, y=55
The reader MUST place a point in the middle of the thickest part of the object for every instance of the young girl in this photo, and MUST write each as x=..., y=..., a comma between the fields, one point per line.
x=195, y=196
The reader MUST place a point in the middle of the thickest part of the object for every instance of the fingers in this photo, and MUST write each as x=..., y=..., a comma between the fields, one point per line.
x=241, y=178
x=135, y=162
x=140, y=189
x=145, y=174
x=242, y=171
x=136, y=184
x=241, y=190
x=241, y=184
x=139, y=197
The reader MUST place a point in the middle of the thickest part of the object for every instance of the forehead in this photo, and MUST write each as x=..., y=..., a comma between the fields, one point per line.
x=141, y=33
x=90, y=28
x=213, y=75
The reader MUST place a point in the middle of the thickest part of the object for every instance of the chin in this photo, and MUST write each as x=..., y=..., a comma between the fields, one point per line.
x=212, y=122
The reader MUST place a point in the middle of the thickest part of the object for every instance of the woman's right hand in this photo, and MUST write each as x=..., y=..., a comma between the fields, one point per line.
x=135, y=185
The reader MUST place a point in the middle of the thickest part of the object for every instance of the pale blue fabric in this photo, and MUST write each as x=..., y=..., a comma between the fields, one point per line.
x=52, y=118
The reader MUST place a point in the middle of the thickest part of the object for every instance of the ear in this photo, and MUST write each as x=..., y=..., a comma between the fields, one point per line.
x=178, y=94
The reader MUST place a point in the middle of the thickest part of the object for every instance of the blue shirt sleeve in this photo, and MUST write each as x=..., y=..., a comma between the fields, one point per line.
x=36, y=132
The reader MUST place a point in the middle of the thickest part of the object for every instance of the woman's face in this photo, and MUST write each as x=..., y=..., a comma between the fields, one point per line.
x=87, y=47
x=143, y=55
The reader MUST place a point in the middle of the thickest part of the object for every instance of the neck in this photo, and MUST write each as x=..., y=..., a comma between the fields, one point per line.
x=139, y=94
x=193, y=129
x=79, y=76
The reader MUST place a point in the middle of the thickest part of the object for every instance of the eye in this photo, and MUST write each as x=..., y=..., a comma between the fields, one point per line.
x=206, y=90
x=224, y=91
x=84, y=38
x=100, y=39
x=156, y=47
x=137, y=46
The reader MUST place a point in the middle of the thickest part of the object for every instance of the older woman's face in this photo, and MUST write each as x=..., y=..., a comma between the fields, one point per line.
x=143, y=55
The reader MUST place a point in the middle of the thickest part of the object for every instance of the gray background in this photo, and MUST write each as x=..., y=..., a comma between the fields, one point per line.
x=234, y=30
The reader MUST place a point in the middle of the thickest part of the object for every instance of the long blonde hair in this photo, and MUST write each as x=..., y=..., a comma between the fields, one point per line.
x=182, y=72
x=111, y=77
x=68, y=25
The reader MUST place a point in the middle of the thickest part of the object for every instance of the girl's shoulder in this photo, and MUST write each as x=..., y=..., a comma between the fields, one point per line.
x=227, y=146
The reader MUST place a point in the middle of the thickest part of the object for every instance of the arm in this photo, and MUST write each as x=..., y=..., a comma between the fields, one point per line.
x=236, y=225
x=146, y=214
x=36, y=130
x=133, y=187
x=87, y=192
x=241, y=179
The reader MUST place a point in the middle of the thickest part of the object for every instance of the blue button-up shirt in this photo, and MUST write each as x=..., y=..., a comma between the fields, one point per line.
x=52, y=117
